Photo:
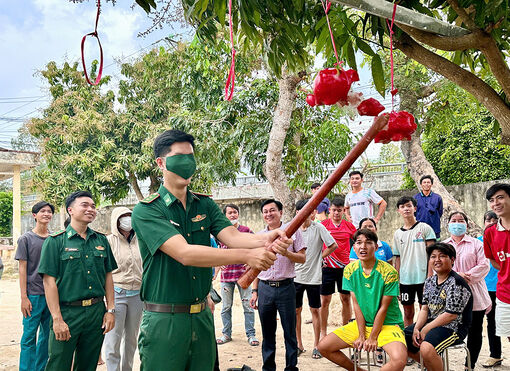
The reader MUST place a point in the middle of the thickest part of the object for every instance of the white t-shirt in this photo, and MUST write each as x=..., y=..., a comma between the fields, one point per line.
x=361, y=204
x=411, y=246
x=310, y=272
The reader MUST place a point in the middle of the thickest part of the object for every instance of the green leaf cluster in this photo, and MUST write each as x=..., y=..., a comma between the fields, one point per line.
x=460, y=142
x=5, y=213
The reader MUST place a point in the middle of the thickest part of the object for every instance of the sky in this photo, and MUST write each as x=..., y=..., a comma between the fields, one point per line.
x=34, y=32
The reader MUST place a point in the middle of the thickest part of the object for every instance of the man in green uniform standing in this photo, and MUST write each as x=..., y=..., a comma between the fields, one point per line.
x=173, y=228
x=76, y=264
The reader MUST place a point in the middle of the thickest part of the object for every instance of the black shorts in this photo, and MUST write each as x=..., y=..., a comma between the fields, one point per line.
x=330, y=276
x=440, y=338
x=409, y=292
x=313, y=292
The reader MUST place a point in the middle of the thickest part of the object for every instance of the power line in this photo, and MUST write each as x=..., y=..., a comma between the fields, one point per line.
x=26, y=104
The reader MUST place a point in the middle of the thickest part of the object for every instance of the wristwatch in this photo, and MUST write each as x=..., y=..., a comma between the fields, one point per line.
x=111, y=310
x=254, y=290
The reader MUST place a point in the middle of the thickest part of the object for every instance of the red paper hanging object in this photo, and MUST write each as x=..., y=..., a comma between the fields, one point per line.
x=332, y=85
x=401, y=126
x=370, y=107
x=93, y=34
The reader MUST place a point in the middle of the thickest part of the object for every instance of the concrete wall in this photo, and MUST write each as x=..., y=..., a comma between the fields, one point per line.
x=470, y=196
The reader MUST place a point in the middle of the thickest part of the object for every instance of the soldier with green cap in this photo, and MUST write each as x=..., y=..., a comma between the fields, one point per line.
x=173, y=228
x=76, y=264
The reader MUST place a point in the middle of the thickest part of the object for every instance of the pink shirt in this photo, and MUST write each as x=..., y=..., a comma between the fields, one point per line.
x=471, y=259
x=283, y=268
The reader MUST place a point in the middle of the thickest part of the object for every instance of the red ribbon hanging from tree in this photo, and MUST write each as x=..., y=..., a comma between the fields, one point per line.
x=229, y=85
x=326, y=6
x=390, y=27
x=94, y=34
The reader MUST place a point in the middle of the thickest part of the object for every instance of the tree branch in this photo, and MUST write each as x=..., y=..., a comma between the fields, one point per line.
x=497, y=63
x=482, y=91
x=472, y=40
x=428, y=90
x=461, y=12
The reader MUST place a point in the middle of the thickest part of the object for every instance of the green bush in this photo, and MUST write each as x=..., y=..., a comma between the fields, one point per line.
x=5, y=213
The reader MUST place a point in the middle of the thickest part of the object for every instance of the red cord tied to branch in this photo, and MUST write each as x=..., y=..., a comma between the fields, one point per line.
x=326, y=5
x=229, y=85
x=93, y=34
x=390, y=27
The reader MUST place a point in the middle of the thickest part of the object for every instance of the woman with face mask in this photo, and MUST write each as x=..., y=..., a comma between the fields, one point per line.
x=472, y=265
x=127, y=280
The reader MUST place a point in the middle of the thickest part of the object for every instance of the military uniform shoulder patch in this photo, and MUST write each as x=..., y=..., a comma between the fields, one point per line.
x=149, y=199
x=200, y=194
x=57, y=233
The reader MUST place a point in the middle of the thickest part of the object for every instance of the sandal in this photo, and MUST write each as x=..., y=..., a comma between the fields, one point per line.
x=316, y=354
x=223, y=339
x=253, y=341
x=300, y=351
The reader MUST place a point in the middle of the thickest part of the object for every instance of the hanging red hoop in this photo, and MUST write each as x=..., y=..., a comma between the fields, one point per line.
x=93, y=34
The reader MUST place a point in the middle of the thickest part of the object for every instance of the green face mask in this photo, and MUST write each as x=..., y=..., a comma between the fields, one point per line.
x=182, y=165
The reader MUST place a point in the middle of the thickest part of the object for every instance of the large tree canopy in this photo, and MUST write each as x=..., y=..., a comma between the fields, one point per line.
x=88, y=144
x=285, y=30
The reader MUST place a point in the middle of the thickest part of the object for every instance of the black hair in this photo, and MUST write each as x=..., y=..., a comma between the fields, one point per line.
x=67, y=222
x=445, y=248
x=279, y=205
x=338, y=201
x=369, y=235
x=73, y=196
x=38, y=206
x=356, y=172
x=405, y=199
x=231, y=206
x=495, y=188
x=164, y=140
x=427, y=177
x=315, y=185
x=364, y=220
x=489, y=215
x=460, y=213
x=301, y=203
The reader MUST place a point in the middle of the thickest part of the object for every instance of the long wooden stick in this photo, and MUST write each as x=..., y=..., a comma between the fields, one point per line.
x=249, y=276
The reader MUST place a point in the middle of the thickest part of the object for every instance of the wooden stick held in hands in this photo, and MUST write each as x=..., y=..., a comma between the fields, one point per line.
x=379, y=123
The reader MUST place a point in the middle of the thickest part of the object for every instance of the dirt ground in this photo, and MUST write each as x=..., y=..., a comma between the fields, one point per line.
x=233, y=354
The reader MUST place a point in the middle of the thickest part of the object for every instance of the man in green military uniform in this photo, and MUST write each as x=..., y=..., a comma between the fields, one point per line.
x=76, y=264
x=173, y=228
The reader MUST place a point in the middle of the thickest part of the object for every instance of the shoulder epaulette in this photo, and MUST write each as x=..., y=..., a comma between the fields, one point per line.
x=200, y=194
x=149, y=199
x=57, y=233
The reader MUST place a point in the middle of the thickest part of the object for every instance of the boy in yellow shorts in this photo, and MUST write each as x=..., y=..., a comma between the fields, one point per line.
x=374, y=287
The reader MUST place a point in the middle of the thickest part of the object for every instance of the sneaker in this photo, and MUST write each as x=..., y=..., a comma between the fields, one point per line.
x=491, y=362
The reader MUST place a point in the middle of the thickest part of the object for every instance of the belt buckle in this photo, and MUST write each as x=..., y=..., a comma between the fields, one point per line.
x=86, y=303
x=195, y=308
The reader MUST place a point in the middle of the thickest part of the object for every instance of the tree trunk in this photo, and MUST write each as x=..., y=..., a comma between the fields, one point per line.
x=418, y=164
x=273, y=169
x=135, y=186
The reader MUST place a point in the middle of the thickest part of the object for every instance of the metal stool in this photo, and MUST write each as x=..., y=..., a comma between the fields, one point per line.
x=357, y=358
x=444, y=356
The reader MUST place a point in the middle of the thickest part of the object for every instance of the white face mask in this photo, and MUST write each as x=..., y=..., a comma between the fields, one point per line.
x=125, y=223
x=235, y=221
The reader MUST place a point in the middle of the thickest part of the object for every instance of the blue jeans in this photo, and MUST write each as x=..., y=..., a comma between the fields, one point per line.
x=227, y=296
x=282, y=300
x=34, y=357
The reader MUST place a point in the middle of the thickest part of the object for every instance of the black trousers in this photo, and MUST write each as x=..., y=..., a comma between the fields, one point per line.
x=282, y=300
x=474, y=338
x=494, y=341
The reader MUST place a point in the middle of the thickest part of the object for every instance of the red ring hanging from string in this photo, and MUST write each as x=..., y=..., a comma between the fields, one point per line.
x=93, y=34
x=229, y=85
x=390, y=27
